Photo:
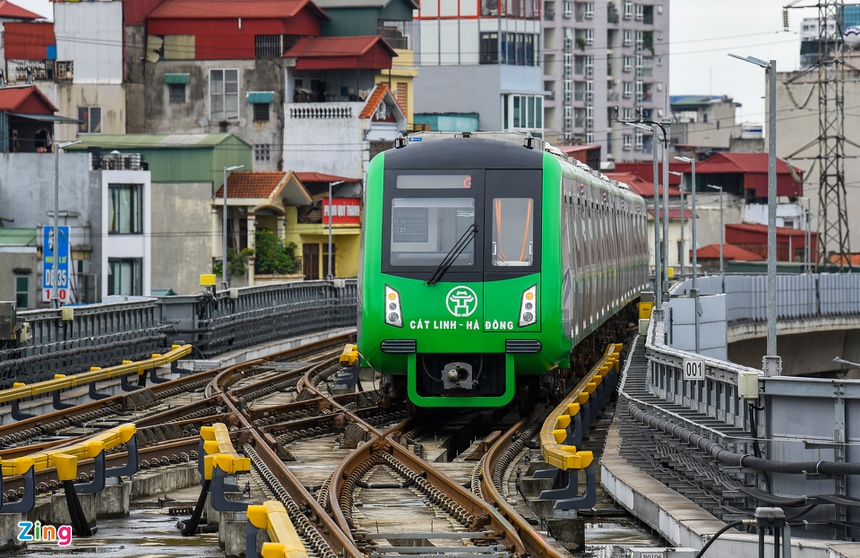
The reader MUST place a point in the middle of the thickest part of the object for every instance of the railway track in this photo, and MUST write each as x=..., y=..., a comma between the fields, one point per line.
x=357, y=477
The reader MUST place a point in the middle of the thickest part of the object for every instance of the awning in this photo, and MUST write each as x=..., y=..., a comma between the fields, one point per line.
x=176, y=78
x=46, y=117
x=261, y=97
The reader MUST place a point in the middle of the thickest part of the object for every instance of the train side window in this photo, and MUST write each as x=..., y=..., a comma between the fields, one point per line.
x=513, y=232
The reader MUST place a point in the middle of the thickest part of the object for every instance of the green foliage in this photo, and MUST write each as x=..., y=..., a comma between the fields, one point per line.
x=237, y=263
x=273, y=257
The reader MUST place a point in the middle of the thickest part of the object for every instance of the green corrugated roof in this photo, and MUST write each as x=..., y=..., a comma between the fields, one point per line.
x=17, y=237
x=264, y=97
x=153, y=141
x=176, y=78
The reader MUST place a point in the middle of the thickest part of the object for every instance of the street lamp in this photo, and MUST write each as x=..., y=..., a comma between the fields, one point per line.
x=682, y=255
x=224, y=282
x=694, y=290
x=658, y=254
x=771, y=362
x=329, y=275
x=807, y=264
x=722, y=234
x=55, y=234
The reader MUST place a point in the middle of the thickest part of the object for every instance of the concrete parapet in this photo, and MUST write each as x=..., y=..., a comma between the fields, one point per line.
x=164, y=480
x=231, y=533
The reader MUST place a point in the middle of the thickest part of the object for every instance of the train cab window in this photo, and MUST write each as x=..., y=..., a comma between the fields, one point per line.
x=513, y=232
x=424, y=230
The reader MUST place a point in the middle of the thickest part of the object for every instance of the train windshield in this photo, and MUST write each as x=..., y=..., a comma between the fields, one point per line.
x=424, y=230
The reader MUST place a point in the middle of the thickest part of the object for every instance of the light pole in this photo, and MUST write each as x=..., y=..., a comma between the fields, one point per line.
x=658, y=257
x=722, y=234
x=807, y=236
x=682, y=255
x=55, y=234
x=695, y=263
x=224, y=282
x=329, y=275
x=771, y=363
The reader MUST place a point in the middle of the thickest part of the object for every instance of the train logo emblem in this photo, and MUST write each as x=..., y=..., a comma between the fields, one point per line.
x=461, y=301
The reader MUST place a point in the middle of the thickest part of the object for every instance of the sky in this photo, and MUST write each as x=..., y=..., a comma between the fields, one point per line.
x=701, y=34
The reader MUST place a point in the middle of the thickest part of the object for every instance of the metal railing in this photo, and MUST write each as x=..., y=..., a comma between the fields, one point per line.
x=106, y=334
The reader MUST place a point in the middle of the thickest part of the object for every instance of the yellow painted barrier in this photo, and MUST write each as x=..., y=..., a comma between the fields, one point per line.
x=285, y=541
x=65, y=459
x=554, y=430
x=20, y=390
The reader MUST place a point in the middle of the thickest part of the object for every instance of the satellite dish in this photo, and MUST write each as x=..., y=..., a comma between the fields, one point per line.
x=851, y=36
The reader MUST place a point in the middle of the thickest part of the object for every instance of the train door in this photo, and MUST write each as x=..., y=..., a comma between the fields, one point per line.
x=512, y=215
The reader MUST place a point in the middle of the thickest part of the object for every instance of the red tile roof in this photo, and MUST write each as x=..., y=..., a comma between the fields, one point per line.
x=10, y=10
x=789, y=180
x=230, y=9
x=265, y=188
x=374, y=100
x=640, y=185
x=319, y=53
x=730, y=252
x=308, y=177
x=20, y=99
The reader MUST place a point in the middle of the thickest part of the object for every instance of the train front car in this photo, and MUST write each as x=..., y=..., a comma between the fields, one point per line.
x=452, y=305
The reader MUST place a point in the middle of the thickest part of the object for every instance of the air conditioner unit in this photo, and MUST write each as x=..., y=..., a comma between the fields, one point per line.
x=490, y=7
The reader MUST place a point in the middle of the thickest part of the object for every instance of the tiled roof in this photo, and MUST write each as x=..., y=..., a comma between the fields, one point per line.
x=729, y=162
x=327, y=4
x=10, y=10
x=309, y=177
x=730, y=252
x=639, y=185
x=252, y=184
x=761, y=228
x=322, y=47
x=265, y=187
x=12, y=98
x=374, y=100
x=153, y=141
x=232, y=9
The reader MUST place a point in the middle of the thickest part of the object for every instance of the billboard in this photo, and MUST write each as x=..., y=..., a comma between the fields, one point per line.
x=62, y=263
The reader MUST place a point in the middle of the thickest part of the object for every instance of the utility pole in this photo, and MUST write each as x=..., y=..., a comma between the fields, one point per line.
x=833, y=230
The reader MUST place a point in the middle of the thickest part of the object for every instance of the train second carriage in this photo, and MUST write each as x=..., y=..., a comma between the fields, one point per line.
x=485, y=258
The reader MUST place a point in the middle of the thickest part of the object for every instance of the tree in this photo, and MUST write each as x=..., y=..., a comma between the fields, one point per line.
x=273, y=256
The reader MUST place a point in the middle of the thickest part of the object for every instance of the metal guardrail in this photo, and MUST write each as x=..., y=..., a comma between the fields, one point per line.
x=799, y=426
x=74, y=339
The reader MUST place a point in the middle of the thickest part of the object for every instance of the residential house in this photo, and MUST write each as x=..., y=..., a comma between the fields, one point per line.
x=481, y=57
x=391, y=20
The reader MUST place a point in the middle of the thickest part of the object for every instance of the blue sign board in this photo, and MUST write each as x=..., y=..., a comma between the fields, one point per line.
x=62, y=263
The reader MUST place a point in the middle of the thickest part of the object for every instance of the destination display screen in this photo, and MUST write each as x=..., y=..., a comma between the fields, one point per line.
x=434, y=181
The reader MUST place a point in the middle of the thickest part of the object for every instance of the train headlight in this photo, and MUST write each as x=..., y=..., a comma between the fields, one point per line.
x=393, y=315
x=528, y=307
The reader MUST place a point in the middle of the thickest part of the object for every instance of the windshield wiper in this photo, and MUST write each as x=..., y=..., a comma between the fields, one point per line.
x=453, y=254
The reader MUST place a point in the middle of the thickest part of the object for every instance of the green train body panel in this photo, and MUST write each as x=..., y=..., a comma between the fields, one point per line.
x=472, y=326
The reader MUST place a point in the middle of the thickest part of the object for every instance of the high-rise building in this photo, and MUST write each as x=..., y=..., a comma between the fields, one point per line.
x=480, y=57
x=604, y=61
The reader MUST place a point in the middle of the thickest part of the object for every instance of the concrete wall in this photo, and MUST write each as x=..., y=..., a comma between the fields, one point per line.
x=193, y=116
x=182, y=230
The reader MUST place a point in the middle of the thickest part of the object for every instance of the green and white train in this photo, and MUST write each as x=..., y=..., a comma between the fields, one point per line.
x=485, y=259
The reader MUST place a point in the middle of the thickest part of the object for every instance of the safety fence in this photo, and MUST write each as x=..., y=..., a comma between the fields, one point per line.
x=73, y=339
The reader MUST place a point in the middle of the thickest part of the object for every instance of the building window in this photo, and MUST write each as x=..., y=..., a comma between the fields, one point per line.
x=267, y=46
x=397, y=33
x=125, y=276
x=22, y=291
x=489, y=48
x=223, y=94
x=176, y=92
x=91, y=120
x=261, y=112
x=524, y=111
x=125, y=211
x=262, y=152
